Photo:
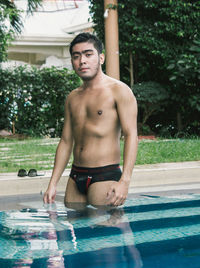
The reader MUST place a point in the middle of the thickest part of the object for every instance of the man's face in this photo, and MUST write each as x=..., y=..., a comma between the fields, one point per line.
x=86, y=61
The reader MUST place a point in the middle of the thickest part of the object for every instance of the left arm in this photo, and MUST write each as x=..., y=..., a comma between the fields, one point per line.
x=127, y=111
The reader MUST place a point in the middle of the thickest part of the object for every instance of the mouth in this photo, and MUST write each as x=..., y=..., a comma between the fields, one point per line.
x=84, y=69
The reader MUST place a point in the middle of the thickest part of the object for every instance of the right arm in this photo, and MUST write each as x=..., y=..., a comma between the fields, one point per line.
x=62, y=156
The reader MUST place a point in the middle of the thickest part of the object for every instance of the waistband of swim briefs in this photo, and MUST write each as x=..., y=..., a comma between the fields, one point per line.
x=95, y=169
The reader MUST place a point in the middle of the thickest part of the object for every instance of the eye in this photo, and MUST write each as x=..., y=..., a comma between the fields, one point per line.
x=75, y=57
x=88, y=54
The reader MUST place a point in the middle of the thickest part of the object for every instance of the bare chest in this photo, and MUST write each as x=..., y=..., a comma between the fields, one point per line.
x=92, y=109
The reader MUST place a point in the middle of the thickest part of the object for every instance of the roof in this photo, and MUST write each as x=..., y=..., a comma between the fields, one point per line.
x=53, y=20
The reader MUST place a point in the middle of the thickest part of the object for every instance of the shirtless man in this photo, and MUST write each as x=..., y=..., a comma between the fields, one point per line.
x=95, y=114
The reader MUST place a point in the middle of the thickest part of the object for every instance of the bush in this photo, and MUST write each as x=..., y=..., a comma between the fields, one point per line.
x=33, y=99
x=152, y=98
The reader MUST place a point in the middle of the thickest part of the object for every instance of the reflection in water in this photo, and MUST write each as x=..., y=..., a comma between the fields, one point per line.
x=166, y=233
x=54, y=236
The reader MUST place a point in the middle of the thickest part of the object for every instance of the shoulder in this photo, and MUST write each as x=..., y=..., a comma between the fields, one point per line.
x=72, y=95
x=120, y=90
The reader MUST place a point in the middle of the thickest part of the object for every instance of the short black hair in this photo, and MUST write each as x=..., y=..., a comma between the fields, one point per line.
x=87, y=37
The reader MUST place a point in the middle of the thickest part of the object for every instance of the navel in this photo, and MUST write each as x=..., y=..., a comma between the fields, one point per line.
x=100, y=112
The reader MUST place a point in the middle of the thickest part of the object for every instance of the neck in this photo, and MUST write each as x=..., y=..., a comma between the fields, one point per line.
x=94, y=82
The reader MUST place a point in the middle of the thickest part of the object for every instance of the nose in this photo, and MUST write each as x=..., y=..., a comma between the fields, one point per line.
x=82, y=59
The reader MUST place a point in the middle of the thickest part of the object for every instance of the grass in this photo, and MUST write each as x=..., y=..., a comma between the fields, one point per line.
x=39, y=153
x=27, y=154
x=166, y=151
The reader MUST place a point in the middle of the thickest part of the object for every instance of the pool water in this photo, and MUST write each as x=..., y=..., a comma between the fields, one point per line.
x=148, y=231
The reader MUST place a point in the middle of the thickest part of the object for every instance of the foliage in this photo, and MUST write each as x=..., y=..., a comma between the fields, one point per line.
x=151, y=98
x=185, y=73
x=154, y=31
x=5, y=32
x=154, y=34
x=185, y=78
x=33, y=99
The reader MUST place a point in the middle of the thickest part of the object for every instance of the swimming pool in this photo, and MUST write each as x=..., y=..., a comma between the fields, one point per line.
x=148, y=231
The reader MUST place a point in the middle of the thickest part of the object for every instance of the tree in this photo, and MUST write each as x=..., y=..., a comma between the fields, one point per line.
x=152, y=34
x=11, y=22
x=185, y=78
x=151, y=98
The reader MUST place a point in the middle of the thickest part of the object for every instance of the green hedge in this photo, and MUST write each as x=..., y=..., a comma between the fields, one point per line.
x=152, y=98
x=34, y=99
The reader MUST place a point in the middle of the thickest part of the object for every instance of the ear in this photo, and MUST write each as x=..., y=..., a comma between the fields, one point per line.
x=102, y=58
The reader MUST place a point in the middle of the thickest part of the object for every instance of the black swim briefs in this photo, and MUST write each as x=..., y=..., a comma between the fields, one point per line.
x=83, y=176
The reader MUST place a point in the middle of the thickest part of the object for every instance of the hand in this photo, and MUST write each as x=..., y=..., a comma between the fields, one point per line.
x=50, y=195
x=118, y=193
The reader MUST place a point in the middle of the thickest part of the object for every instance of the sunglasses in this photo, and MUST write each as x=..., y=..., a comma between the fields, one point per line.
x=31, y=173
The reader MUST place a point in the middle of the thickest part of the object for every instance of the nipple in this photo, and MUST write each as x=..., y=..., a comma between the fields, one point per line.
x=100, y=112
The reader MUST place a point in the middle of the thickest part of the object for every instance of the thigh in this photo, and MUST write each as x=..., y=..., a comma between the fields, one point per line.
x=73, y=198
x=97, y=193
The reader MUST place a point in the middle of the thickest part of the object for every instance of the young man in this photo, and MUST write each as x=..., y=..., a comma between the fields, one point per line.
x=95, y=114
